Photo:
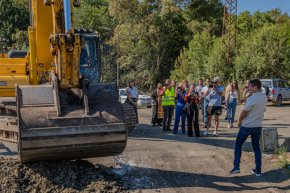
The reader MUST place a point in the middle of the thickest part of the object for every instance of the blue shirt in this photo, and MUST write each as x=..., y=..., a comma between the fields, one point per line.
x=180, y=101
x=215, y=99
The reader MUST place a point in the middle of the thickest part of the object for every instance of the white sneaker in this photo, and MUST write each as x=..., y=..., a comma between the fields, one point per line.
x=205, y=133
x=215, y=133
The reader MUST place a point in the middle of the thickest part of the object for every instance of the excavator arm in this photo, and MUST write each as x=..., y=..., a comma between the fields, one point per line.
x=63, y=112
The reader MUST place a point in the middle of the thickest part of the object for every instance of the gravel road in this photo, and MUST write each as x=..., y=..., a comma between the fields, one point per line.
x=155, y=162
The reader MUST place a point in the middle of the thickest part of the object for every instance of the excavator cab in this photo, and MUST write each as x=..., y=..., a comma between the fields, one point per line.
x=90, y=57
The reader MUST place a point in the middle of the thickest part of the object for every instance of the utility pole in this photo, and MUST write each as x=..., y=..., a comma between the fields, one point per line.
x=229, y=28
x=118, y=55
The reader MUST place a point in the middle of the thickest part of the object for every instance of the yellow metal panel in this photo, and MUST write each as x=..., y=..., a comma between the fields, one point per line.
x=12, y=66
x=32, y=54
x=7, y=84
x=43, y=27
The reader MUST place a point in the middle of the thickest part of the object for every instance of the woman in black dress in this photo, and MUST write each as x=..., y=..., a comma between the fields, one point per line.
x=192, y=100
x=157, y=111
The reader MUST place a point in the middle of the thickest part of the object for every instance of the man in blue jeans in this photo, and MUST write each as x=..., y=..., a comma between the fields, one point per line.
x=250, y=123
x=168, y=102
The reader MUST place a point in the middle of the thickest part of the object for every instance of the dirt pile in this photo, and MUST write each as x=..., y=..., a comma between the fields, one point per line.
x=63, y=176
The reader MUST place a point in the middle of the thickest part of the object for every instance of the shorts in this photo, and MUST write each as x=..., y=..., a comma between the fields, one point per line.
x=214, y=111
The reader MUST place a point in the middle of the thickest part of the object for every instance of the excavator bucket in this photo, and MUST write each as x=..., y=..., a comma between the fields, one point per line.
x=72, y=124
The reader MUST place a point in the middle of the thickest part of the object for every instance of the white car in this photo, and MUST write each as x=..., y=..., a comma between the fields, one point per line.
x=277, y=90
x=143, y=99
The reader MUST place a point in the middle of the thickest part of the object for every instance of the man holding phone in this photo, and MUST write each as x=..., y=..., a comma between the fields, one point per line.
x=214, y=94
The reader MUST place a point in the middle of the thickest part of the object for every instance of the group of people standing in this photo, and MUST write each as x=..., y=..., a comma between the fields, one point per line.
x=183, y=98
x=187, y=99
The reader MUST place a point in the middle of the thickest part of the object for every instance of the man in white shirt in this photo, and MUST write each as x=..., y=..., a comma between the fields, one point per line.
x=198, y=88
x=250, y=123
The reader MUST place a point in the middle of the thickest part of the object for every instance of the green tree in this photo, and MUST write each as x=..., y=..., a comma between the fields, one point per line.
x=20, y=40
x=244, y=23
x=203, y=15
x=95, y=15
x=216, y=65
x=266, y=53
x=196, y=65
x=14, y=16
x=150, y=35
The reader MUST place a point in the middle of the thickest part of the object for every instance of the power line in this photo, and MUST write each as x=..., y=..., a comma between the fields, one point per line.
x=279, y=6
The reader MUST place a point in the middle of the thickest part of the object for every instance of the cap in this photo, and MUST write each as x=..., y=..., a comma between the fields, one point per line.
x=216, y=79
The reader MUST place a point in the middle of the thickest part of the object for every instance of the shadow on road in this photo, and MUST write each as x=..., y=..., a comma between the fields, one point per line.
x=151, y=133
x=148, y=178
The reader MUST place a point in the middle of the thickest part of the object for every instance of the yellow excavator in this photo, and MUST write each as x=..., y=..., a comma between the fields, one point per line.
x=56, y=106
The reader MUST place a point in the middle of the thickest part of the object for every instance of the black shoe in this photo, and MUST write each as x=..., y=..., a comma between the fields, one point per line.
x=258, y=174
x=235, y=171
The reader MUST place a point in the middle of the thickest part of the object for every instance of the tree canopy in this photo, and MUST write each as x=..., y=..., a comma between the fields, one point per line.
x=152, y=40
x=14, y=18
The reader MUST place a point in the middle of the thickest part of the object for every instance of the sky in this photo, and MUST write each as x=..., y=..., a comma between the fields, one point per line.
x=263, y=5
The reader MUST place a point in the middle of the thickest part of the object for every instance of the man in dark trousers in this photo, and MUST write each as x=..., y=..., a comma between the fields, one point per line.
x=168, y=102
x=250, y=123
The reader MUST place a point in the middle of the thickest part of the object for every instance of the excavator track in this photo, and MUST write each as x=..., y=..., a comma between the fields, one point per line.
x=130, y=116
x=8, y=121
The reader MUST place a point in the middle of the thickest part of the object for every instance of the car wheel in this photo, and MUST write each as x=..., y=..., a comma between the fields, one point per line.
x=278, y=102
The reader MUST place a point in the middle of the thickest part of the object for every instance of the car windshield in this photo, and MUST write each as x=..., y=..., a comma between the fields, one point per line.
x=122, y=92
x=266, y=83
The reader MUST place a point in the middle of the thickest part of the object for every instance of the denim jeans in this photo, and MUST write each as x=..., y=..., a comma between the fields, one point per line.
x=168, y=112
x=243, y=134
x=205, y=106
x=231, y=110
x=179, y=113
